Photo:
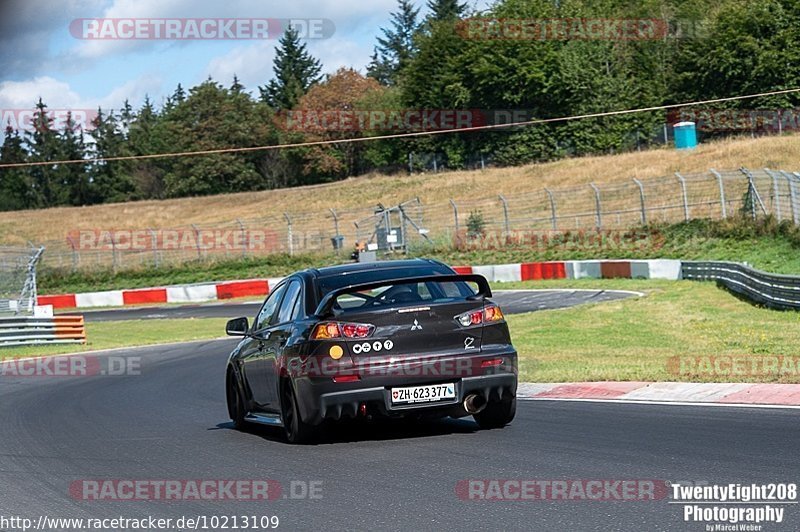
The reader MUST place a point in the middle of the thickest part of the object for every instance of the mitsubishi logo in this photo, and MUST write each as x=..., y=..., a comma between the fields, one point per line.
x=416, y=326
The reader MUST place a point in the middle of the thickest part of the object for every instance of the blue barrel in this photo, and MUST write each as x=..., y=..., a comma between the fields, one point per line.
x=685, y=135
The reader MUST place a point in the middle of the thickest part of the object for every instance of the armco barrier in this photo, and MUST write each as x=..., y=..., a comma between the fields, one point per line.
x=769, y=289
x=25, y=330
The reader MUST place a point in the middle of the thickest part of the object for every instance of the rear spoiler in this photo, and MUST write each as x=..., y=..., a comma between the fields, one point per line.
x=484, y=291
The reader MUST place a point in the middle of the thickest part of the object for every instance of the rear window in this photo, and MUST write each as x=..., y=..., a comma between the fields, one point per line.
x=403, y=294
x=334, y=282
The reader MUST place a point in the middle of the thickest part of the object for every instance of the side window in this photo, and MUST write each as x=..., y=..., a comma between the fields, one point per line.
x=292, y=295
x=269, y=308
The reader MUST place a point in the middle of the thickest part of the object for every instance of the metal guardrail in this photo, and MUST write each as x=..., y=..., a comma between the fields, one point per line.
x=768, y=289
x=25, y=330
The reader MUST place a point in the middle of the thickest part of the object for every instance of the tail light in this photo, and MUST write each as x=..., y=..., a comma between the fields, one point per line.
x=335, y=329
x=488, y=314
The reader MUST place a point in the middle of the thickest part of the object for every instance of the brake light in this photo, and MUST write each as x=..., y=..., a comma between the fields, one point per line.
x=334, y=329
x=488, y=314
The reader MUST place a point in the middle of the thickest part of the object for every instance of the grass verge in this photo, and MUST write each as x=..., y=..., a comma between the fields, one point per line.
x=111, y=334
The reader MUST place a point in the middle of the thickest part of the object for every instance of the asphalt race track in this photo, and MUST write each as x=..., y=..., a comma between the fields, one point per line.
x=511, y=301
x=170, y=422
x=166, y=420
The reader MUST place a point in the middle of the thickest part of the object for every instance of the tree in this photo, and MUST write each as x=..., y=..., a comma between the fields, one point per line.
x=445, y=10
x=329, y=112
x=15, y=186
x=396, y=47
x=110, y=179
x=295, y=72
x=74, y=177
x=43, y=145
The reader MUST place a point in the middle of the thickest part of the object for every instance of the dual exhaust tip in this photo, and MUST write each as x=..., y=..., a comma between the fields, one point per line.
x=474, y=403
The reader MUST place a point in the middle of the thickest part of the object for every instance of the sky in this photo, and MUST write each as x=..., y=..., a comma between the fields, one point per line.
x=43, y=52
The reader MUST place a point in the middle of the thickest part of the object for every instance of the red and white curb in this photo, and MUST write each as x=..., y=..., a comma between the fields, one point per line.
x=529, y=271
x=670, y=393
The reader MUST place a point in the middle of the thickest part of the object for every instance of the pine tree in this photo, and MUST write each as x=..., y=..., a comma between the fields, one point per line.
x=110, y=179
x=43, y=144
x=15, y=186
x=74, y=178
x=396, y=47
x=295, y=72
x=444, y=10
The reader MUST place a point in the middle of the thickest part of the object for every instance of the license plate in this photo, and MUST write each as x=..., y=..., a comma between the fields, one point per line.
x=430, y=393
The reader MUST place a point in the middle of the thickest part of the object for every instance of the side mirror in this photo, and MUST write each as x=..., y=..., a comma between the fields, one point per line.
x=237, y=327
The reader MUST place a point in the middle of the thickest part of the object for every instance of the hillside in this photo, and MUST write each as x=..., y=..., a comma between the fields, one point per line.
x=20, y=227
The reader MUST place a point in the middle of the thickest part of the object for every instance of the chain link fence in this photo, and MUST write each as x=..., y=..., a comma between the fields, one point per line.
x=622, y=205
x=18, y=279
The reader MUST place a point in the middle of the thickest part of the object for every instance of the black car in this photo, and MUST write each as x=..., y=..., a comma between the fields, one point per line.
x=392, y=339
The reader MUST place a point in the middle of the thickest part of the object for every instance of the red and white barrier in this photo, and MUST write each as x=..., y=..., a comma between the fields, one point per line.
x=530, y=271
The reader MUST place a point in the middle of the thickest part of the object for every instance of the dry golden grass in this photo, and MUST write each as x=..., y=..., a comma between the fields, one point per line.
x=357, y=193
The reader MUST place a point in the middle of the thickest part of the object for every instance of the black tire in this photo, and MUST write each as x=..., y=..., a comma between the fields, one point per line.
x=497, y=413
x=235, y=398
x=297, y=431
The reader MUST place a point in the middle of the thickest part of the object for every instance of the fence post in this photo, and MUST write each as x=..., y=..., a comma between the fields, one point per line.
x=775, y=193
x=599, y=215
x=335, y=221
x=197, y=240
x=642, y=200
x=74, y=253
x=290, y=237
x=553, y=218
x=505, y=213
x=792, y=198
x=721, y=193
x=685, y=197
x=455, y=215
x=245, y=238
x=410, y=163
x=154, y=247
x=113, y=252
x=756, y=197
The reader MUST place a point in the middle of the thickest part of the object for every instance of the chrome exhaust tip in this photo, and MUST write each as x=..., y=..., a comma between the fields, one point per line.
x=474, y=403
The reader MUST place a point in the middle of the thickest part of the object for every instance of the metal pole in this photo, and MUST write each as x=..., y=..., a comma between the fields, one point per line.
x=113, y=253
x=197, y=240
x=410, y=163
x=455, y=215
x=553, y=218
x=685, y=198
x=244, y=238
x=599, y=216
x=505, y=213
x=721, y=193
x=775, y=193
x=642, y=200
x=753, y=191
x=289, y=236
x=74, y=253
x=335, y=221
x=154, y=247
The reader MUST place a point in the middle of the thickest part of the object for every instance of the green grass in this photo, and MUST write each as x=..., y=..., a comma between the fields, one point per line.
x=765, y=244
x=110, y=334
x=635, y=339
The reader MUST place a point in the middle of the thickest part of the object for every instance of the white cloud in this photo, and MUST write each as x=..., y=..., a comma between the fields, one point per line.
x=57, y=94
x=251, y=64
x=347, y=16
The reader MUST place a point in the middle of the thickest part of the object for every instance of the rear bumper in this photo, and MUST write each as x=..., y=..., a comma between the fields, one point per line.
x=322, y=398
